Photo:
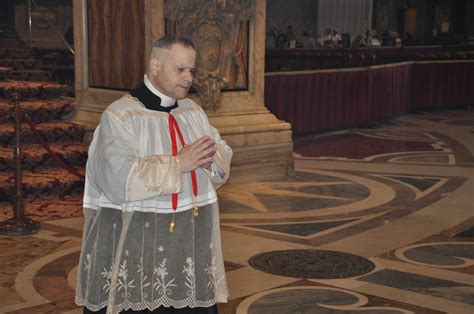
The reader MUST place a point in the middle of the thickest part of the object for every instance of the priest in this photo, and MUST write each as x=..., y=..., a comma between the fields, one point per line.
x=151, y=241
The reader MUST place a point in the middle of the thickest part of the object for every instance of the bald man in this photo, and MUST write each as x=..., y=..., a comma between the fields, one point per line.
x=151, y=241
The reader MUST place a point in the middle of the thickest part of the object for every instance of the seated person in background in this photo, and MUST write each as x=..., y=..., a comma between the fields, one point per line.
x=308, y=41
x=290, y=38
x=398, y=42
x=281, y=41
x=366, y=42
x=385, y=40
x=336, y=38
x=358, y=41
x=326, y=40
x=395, y=38
x=346, y=39
x=271, y=34
x=317, y=40
x=371, y=39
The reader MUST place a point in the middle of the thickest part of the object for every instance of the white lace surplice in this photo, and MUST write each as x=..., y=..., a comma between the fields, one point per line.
x=129, y=259
x=152, y=266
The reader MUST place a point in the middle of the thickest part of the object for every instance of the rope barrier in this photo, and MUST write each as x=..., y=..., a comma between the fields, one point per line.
x=45, y=145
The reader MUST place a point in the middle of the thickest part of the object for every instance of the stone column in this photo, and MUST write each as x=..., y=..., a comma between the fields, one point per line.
x=230, y=36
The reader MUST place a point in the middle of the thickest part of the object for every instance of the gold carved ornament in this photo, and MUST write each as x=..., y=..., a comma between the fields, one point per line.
x=219, y=30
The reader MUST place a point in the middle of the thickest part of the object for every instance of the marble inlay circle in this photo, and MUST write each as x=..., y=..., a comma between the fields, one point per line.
x=315, y=264
x=311, y=299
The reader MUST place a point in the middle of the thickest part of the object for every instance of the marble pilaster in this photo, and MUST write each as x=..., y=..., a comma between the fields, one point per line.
x=262, y=144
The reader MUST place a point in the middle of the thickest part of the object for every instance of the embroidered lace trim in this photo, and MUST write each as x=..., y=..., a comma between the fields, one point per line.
x=163, y=301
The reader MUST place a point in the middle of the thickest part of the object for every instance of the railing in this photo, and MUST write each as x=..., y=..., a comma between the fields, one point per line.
x=30, y=2
x=301, y=59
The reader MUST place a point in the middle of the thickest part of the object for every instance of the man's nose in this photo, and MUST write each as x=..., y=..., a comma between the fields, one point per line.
x=188, y=76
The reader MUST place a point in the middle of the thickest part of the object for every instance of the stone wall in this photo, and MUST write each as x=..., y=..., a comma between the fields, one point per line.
x=353, y=17
x=436, y=21
x=300, y=14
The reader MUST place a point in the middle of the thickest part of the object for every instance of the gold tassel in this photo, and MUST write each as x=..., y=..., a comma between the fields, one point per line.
x=172, y=224
x=196, y=211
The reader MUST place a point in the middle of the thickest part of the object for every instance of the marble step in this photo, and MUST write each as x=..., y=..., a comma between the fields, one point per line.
x=39, y=110
x=4, y=73
x=54, y=131
x=32, y=90
x=16, y=53
x=41, y=183
x=47, y=208
x=36, y=157
x=21, y=64
x=54, y=57
x=31, y=76
x=8, y=31
x=9, y=34
x=11, y=43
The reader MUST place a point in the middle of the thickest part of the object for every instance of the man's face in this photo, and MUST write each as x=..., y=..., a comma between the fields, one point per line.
x=172, y=71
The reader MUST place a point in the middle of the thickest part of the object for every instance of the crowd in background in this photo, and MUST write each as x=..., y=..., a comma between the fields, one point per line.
x=331, y=38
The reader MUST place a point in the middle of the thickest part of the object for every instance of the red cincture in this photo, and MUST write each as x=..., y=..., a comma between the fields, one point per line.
x=174, y=128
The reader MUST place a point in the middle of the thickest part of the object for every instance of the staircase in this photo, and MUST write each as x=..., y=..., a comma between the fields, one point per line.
x=51, y=192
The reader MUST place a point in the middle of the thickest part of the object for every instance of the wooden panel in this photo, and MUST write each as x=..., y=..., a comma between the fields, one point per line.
x=116, y=43
x=410, y=21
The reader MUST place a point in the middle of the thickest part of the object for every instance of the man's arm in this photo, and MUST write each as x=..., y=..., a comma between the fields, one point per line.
x=218, y=170
x=115, y=167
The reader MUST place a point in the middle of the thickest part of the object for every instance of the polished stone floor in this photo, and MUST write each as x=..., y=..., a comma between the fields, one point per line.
x=376, y=220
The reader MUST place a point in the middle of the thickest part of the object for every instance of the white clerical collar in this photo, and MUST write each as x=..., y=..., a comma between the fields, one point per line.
x=166, y=101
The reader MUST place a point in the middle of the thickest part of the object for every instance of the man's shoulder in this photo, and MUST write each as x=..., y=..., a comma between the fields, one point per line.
x=123, y=108
x=188, y=104
x=124, y=104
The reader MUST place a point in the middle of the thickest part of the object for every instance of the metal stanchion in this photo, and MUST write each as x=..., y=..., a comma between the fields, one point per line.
x=29, y=23
x=19, y=224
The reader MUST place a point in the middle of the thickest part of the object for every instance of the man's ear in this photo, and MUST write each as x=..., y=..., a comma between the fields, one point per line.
x=155, y=65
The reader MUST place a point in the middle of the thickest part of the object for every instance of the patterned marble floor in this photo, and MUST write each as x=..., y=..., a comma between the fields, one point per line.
x=376, y=220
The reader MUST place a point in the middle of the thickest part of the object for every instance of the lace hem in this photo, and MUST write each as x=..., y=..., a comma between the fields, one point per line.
x=151, y=306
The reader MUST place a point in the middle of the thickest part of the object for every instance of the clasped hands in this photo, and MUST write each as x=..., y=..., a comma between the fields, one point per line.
x=198, y=154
